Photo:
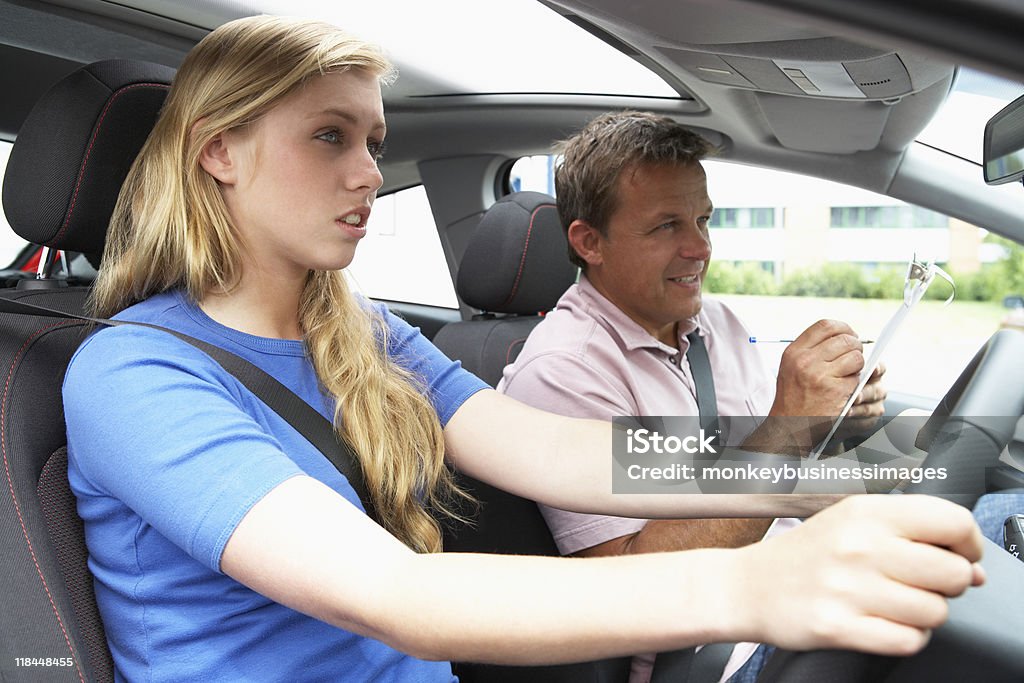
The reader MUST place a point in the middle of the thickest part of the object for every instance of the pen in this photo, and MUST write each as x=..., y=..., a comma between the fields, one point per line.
x=758, y=340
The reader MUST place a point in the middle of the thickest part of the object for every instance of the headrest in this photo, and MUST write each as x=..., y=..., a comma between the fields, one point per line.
x=75, y=148
x=517, y=259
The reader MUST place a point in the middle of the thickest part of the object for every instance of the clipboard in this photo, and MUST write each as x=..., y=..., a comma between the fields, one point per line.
x=919, y=277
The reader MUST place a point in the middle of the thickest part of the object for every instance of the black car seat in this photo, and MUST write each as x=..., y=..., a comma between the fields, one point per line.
x=64, y=173
x=515, y=268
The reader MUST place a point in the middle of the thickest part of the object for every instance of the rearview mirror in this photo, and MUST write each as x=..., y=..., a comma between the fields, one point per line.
x=1004, y=144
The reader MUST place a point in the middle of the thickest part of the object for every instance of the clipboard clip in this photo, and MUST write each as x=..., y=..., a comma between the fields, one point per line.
x=917, y=271
x=920, y=275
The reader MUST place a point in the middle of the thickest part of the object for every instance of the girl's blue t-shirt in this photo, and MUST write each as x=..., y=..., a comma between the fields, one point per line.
x=166, y=454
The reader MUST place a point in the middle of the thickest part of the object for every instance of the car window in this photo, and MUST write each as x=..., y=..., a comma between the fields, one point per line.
x=534, y=173
x=586, y=64
x=840, y=252
x=401, y=258
x=958, y=126
x=10, y=243
x=791, y=249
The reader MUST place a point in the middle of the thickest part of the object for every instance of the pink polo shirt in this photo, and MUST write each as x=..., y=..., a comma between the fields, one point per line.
x=589, y=359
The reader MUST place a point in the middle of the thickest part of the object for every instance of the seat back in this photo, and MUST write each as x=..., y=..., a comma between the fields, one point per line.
x=515, y=268
x=61, y=183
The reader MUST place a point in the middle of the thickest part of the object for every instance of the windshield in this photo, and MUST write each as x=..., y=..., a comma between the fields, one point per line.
x=959, y=125
x=516, y=46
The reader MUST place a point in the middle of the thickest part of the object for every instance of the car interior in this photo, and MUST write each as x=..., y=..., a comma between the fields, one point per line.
x=824, y=89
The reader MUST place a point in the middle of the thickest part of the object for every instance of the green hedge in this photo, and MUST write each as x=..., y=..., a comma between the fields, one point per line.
x=747, y=278
x=845, y=280
x=851, y=281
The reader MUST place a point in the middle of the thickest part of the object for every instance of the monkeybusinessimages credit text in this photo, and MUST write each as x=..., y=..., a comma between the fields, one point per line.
x=679, y=455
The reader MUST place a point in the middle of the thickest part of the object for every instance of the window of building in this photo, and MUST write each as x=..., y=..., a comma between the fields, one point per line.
x=743, y=218
x=762, y=218
x=887, y=217
x=925, y=218
x=725, y=218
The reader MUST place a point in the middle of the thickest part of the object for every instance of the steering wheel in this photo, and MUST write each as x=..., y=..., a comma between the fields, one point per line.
x=975, y=421
x=965, y=435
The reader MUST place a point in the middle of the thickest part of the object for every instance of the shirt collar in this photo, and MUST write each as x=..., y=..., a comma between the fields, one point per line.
x=632, y=334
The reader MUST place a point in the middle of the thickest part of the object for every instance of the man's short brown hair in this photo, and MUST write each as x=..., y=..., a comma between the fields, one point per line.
x=595, y=157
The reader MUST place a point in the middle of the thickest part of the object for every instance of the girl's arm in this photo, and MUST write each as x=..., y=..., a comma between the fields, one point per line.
x=566, y=463
x=866, y=574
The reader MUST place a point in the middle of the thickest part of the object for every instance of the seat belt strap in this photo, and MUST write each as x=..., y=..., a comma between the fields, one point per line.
x=313, y=426
x=704, y=387
x=706, y=664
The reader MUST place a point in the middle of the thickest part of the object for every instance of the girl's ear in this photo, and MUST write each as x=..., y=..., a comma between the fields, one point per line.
x=216, y=159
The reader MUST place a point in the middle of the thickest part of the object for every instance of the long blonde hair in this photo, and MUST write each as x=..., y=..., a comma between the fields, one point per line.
x=171, y=229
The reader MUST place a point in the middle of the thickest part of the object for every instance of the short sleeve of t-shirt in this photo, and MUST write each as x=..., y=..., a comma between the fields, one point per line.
x=446, y=382
x=169, y=436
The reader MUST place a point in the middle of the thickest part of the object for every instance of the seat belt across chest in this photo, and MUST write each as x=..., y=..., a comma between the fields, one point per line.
x=313, y=426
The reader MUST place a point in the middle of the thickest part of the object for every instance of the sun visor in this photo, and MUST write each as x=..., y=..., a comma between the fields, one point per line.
x=830, y=126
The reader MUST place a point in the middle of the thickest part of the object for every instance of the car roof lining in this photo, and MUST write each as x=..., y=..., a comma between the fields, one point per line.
x=84, y=37
x=30, y=74
x=746, y=123
x=42, y=43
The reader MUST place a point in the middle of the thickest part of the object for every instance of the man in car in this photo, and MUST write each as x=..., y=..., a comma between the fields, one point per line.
x=633, y=200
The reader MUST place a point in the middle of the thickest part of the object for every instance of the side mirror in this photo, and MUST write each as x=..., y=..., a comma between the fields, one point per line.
x=1004, y=145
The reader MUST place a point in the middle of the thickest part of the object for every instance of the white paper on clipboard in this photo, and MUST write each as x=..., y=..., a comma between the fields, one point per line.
x=919, y=277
